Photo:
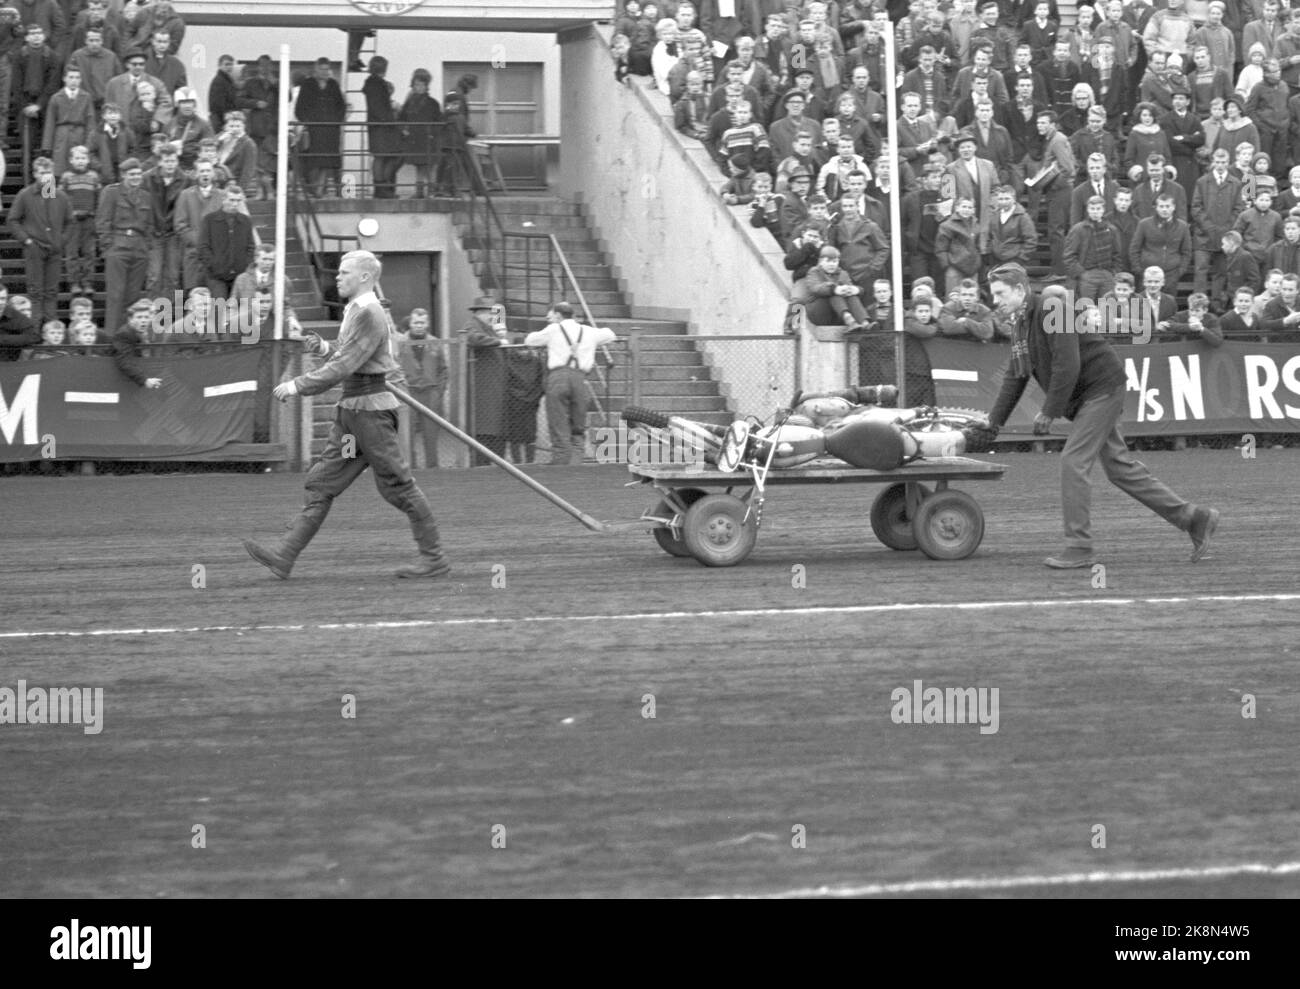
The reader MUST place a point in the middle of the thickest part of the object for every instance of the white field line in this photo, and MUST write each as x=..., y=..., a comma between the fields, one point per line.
x=994, y=883
x=848, y=609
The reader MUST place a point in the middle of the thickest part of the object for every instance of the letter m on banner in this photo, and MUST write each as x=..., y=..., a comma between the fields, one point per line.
x=23, y=409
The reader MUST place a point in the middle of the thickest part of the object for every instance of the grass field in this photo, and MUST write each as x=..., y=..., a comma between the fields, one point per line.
x=518, y=711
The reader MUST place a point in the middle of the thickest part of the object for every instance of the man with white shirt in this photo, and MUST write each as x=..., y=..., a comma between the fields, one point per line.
x=364, y=433
x=1097, y=184
x=570, y=356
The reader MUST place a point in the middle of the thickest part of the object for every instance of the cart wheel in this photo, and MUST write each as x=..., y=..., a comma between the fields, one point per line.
x=889, y=519
x=949, y=525
x=716, y=533
x=665, y=509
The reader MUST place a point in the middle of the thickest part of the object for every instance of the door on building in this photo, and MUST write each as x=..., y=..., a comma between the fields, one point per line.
x=508, y=100
x=411, y=282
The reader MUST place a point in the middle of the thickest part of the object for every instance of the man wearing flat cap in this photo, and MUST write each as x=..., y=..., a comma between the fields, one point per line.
x=791, y=119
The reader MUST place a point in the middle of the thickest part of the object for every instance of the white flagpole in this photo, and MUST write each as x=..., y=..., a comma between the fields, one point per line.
x=281, y=192
x=895, y=221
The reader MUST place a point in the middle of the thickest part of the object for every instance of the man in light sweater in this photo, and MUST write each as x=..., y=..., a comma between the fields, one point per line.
x=364, y=433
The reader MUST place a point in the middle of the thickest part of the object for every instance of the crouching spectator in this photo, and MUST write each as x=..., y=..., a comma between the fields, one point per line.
x=16, y=329
x=1196, y=322
x=827, y=281
x=738, y=189
x=965, y=316
x=691, y=112
x=801, y=257
x=765, y=207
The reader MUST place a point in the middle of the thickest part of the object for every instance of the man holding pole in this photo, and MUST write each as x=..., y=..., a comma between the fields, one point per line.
x=365, y=429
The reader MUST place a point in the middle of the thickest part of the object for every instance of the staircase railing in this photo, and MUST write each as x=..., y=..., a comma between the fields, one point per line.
x=563, y=284
x=314, y=240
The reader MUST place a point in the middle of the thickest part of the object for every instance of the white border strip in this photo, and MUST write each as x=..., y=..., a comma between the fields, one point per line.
x=216, y=391
x=1023, y=882
x=848, y=609
x=92, y=397
x=948, y=374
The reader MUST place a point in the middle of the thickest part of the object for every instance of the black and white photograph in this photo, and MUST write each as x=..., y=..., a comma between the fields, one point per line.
x=628, y=450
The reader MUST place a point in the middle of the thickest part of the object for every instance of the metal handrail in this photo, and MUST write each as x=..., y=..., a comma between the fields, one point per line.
x=315, y=238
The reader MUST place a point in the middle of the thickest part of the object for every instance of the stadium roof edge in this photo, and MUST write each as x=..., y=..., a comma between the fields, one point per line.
x=440, y=15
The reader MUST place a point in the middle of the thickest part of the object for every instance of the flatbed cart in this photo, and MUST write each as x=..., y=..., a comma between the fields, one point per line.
x=719, y=528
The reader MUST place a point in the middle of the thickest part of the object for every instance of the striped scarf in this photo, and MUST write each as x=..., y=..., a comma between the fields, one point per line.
x=1020, y=365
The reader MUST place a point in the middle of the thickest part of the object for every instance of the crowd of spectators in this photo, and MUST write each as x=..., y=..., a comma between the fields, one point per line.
x=127, y=177
x=1114, y=150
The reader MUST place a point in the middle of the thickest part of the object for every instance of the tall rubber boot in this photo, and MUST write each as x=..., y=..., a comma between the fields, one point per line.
x=281, y=559
x=431, y=563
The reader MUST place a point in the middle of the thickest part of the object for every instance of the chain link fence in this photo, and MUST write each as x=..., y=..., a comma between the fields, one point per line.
x=711, y=378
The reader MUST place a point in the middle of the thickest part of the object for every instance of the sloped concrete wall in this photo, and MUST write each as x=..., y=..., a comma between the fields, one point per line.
x=652, y=199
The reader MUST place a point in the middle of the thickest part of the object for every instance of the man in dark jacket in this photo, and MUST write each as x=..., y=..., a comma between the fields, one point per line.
x=223, y=93
x=226, y=243
x=384, y=138
x=41, y=220
x=124, y=225
x=1082, y=380
x=1162, y=240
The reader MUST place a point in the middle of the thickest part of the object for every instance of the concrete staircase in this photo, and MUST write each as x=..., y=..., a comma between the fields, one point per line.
x=304, y=295
x=674, y=375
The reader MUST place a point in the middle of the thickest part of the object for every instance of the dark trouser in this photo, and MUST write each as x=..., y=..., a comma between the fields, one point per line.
x=1095, y=283
x=1058, y=216
x=1208, y=276
x=1272, y=143
x=924, y=264
x=567, y=400
x=79, y=252
x=193, y=273
x=44, y=270
x=493, y=442
x=427, y=430
x=373, y=437
x=384, y=169
x=125, y=269
x=842, y=304
x=164, y=266
x=1096, y=435
x=220, y=287
x=6, y=85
